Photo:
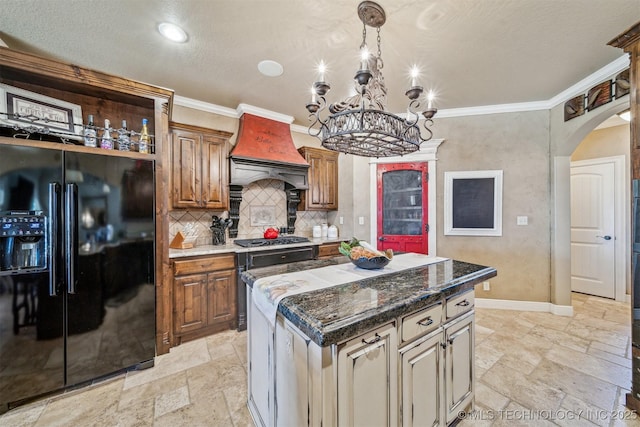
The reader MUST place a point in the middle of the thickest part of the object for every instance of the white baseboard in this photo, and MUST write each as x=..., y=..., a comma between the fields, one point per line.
x=503, y=304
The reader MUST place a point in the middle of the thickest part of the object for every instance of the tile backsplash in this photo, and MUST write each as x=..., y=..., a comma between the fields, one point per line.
x=266, y=192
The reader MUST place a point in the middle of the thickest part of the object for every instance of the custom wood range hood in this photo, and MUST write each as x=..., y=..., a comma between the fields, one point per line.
x=264, y=150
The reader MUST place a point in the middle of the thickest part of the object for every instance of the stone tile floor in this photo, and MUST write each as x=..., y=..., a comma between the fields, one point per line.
x=533, y=369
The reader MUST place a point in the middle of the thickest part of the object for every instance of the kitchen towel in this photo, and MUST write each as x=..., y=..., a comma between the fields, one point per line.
x=268, y=291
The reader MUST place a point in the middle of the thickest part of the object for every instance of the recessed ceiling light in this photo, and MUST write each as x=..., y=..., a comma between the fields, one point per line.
x=172, y=32
x=270, y=68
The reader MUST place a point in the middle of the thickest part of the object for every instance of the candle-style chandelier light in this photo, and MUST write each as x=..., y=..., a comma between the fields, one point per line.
x=359, y=124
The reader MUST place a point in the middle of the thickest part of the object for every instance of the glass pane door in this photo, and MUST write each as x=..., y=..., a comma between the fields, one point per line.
x=402, y=202
x=402, y=207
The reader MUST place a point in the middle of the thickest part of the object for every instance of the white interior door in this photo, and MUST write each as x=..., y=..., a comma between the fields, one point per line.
x=592, y=229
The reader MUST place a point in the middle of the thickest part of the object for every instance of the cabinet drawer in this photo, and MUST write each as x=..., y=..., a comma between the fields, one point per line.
x=203, y=264
x=328, y=250
x=460, y=304
x=421, y=322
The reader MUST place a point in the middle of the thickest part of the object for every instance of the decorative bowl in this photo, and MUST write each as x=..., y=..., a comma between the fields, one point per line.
x=373, y=263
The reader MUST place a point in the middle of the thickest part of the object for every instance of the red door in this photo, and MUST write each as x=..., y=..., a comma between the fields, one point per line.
x=402, y=207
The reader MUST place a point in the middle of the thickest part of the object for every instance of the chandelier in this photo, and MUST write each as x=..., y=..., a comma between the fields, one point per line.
x=359, y=124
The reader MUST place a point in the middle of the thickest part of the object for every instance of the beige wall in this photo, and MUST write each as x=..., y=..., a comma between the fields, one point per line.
x=517, y=144
x=611, y=141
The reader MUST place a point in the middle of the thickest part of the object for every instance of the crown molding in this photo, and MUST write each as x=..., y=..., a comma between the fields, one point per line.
x=261, y=112
x=580, y=87
x=593, y=79
x=204, y=106
x=492, y=109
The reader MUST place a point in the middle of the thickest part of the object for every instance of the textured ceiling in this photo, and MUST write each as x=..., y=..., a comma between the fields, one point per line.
x=471, y=52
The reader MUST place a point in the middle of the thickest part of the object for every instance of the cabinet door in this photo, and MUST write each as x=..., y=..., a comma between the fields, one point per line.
x=423, y=382
x=459, y=365
x=214, y=173
x=403, y=221
x=368, y=378
x=331, y=181
x=323, y=180
x=190, y=299
x=222, y=297
x=315, y=194
x=186, y=169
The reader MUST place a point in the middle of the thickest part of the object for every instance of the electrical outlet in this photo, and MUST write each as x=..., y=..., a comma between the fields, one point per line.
x=341, y=220
x=522, y=220
x=486, y=286
x=361, y=220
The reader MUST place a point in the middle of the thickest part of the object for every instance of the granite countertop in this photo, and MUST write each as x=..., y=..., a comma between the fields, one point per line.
x=335, y=314
x=230, y=247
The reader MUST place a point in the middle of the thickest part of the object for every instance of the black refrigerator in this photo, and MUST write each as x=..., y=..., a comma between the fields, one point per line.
x=77, y=286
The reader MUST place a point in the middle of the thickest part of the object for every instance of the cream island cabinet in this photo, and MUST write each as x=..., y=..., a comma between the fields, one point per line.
x=393, y=347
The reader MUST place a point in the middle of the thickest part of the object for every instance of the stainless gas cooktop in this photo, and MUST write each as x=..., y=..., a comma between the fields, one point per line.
x=283, y=240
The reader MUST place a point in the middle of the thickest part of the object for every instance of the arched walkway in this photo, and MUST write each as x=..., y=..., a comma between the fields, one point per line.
x=564, y=138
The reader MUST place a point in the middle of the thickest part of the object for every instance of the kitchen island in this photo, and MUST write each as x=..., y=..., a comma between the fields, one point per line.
x=385, y=347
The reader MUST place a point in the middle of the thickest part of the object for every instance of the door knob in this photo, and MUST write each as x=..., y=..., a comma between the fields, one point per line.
x=605, y=237
x=382, y=239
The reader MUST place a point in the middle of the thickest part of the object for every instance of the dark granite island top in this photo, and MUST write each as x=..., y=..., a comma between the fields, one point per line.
x=332, y=315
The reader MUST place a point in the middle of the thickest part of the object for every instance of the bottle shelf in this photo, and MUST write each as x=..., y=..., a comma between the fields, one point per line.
x=35, y=129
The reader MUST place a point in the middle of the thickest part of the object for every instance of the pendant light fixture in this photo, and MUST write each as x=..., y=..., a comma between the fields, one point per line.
x=359, y=124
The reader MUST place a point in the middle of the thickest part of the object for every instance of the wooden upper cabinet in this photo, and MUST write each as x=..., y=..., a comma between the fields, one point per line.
x=323, y=180
x=200, y=172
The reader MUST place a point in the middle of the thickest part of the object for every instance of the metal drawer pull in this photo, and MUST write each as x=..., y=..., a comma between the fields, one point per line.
x=463, y=303
x=373, y=341
x=426, y=322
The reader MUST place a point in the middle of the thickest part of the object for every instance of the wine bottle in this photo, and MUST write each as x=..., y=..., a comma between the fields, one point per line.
x=90, y=133
x=123, y=137
x=144, y=140
x=106, y=142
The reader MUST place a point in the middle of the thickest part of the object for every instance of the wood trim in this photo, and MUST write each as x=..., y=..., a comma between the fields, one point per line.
x=73, y=73
x=199, y=129
x=74, y=148
x=627, y=37
x=203, y=264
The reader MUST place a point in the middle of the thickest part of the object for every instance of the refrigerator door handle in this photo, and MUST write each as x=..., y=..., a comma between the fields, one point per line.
x=52, y=236
x=71, y=235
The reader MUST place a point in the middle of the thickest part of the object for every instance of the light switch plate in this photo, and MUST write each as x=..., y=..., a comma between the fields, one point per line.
x=361, y=220
x=522, y=220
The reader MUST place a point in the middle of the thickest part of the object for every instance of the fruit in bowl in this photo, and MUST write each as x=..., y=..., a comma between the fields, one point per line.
x=364, y=255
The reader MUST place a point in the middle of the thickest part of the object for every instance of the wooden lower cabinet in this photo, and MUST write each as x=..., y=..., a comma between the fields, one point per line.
x=422, y=370
x=459, y=365
x=367, y=379
x=204, y=295
x=328, y=250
